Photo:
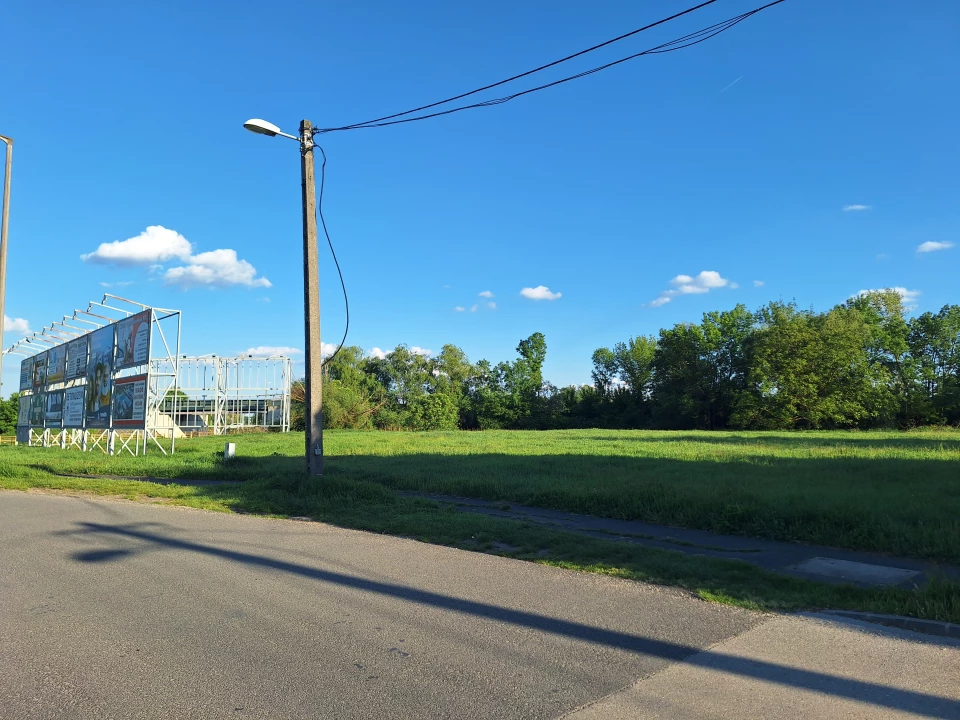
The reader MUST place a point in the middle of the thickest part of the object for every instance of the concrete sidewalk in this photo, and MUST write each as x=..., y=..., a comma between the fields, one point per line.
x=813, y=562
x=797, y=668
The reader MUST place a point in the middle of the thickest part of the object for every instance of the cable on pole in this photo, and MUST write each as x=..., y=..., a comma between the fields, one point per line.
x=680, y=43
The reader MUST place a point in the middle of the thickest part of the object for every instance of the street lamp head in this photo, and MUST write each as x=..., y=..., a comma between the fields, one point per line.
x=261, y=127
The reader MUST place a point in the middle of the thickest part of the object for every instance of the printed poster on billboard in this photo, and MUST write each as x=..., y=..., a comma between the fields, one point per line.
x=99, y=377
x=73, y=407
x=26, y=373
x=36, y=410
x=40, y=370
x=133, y=340
x=56, y=364
x=130, y=402
x=76, y=358
x=53, y=413
x=23, y=412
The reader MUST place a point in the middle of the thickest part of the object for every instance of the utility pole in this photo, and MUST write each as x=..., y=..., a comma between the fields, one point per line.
x=313, y=400
x=4, y=221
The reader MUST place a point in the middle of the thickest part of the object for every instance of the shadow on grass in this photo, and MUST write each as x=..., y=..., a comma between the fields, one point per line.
x=867, y=692
x=904, y=506
x=812, y=439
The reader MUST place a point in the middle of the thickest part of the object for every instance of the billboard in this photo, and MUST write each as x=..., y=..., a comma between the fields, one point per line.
x=99, y=377
x=130, y=402
x=76, y=358
x=53, y=408
x=23, y=411
x=56, y=364
x=26, y=373
x=73, y=407
x=36, y=410
x=133, y=340
x=40, y=370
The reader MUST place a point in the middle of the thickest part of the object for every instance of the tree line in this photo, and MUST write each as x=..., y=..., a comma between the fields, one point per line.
x=862, y=364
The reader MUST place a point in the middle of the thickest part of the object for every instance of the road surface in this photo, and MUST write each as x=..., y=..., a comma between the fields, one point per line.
x=120, y=610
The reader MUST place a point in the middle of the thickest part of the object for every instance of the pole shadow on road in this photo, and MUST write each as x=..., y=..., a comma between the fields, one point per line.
x=865, y=692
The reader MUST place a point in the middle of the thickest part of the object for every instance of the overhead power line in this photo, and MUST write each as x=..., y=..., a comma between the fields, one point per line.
x=677, y=44
x=535, y=70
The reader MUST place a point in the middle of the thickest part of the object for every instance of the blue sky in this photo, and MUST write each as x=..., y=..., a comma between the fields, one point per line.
x=641, y=196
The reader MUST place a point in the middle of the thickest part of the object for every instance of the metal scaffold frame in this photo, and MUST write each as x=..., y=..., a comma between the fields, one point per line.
x=222, y=395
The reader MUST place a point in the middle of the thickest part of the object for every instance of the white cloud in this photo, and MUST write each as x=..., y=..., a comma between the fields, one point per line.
x=910, y=297
x=378, y=353
x=474, y=308
x=121, y=283
x=541, y=292
x=328, y=349
x=420, y=351
x=15, y=325
x=459, y=309
x=758, y=283
x=263, y=299
x=217, y=268
x=268, y=350
x=855, y=208
x=492, y=305
x=155, y=244
x=933, y=246
x=485, y=293
x=706, y=281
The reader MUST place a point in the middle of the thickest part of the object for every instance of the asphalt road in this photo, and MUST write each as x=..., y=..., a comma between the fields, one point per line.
x=120, y=610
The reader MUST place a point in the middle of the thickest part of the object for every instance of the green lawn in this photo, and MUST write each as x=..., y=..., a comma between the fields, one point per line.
x=894, y=492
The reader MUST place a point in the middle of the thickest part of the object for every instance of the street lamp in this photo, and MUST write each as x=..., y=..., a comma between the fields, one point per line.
x=313, y=397
x=3, y=236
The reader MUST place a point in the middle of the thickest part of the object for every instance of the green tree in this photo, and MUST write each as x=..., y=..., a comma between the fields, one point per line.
x=681, y=379
x=8, y=414
x=808, y=371
x=934, y=341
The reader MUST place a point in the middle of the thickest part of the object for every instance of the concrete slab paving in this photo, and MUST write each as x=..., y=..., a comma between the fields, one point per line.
x=798, y=668
x=856, y=572
x=828, y=564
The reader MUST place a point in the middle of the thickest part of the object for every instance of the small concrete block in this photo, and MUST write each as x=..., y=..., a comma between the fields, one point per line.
x=855, y=571
x=229, y=450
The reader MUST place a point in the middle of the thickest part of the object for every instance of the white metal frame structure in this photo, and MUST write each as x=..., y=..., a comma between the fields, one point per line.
x=223, y=395
x=164, y=345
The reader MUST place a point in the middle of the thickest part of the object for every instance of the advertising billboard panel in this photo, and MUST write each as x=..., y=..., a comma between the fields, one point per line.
x=133, y=340
x=99, y=377
x=53, y=408
x=130, y=402
x=23, y=412
x=40, y=370
x=36, y=410
x=26, y=373
x=73, y=407
x=56, y=364
x=76, y=358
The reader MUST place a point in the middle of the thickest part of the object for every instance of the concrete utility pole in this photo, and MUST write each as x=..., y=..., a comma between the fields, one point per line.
x=313, y=383
x=313, y=395
x=4, y=221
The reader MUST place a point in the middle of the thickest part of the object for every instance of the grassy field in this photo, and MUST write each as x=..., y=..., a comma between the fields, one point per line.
x=890, y=492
